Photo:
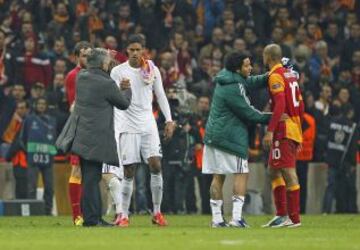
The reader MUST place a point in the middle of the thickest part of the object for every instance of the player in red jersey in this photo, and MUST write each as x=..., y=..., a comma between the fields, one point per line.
x=283, y=138
x=80, y=51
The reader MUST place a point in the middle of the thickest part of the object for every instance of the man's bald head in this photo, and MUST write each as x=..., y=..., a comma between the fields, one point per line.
x=272, y=54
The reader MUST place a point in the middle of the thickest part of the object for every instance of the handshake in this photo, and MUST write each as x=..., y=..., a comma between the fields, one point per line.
x=125, y=84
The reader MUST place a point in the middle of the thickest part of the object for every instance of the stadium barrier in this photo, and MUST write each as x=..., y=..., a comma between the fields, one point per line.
x=259, y=184
x=22, y=207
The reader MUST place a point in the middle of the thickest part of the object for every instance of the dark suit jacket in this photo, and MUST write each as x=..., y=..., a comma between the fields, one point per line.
x=96, y=95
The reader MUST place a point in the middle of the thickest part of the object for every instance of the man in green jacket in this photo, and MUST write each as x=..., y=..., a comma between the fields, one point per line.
x=226, y=136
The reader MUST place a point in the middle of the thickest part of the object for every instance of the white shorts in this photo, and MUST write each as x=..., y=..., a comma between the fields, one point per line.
x=134, y=146
x=109, y=169
x=216, y=161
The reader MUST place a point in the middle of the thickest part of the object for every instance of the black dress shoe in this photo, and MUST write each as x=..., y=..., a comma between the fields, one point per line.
x=101, y=223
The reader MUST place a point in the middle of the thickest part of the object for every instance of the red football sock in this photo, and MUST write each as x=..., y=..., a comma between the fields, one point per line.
x=293, y=203
x=279, y=192
x=75, y=197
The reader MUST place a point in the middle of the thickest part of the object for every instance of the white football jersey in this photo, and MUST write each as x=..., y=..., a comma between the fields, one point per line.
x=139, y=118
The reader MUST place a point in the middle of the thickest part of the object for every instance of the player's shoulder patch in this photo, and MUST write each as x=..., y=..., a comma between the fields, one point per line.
x=276, y=86
x=276, y=82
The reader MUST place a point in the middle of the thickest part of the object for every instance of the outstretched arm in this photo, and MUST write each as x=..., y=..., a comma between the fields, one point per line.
x=256, y=82
x=240, y=105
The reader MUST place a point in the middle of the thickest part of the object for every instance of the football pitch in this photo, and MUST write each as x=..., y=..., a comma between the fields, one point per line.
x=184, y=232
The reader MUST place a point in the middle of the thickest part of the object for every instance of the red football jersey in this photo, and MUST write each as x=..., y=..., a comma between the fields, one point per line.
x=70, y=84
x=284, y=80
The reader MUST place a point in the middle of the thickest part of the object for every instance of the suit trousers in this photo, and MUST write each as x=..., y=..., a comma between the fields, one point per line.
x=91, y=172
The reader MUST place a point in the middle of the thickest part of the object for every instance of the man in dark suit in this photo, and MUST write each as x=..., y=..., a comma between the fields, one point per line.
x=94, y=139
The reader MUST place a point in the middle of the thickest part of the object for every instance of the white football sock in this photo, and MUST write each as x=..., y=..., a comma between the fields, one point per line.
x=216, y=211
x=238, y=203
x=127, y=190
x=156, y=185
x=115, y=192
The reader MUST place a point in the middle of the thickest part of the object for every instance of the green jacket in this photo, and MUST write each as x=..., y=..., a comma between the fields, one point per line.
x=231, y=113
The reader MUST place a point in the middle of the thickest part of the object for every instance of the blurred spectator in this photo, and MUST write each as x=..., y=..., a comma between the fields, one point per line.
x=301, y=65
x=350, y=45
x=16, y=152
x=305, y=156
x=208, y=12
x=321, y=66
x=322, y=105
x=38, y=136
x=341, y=151
x=301, y=38
x=17, y=94
x=6, y=26
x=180, y=47
x=344, y=97
x=58, y=51
x=56, y=94
x=6, y=69
x=37, y=90
x=344, y=80
x=32, y=66
x=58, y=106
x=177, y=158
x=124, y=22
x=229, y=31
x=239, y=45
x=217, y=40
x=250, y=38
x=202, y=78
x=169, y=73
x=61, y=23
x=198, y=122
x=60, y=66
x=112, y=44
x=333, y=40
x=255, y=14
x=277, y=36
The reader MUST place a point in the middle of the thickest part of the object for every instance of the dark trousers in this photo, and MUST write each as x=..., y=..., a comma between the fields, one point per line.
x=190, y=194
x=174, y=188
x=91, y=198
x=21, y=182
x=48, y=180
x=342, y=188
x=302, y=172
x=205, y=183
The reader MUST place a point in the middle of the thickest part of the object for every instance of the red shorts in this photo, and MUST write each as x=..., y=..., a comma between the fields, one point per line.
x=283, y=154
x=74, y=160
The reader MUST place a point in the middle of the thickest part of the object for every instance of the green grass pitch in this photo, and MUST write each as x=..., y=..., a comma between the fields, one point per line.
x=184, y=232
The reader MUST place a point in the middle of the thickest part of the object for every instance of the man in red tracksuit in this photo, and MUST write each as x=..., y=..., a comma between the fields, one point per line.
x=80, y=51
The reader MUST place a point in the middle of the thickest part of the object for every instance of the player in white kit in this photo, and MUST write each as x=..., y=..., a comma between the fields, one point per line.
x=137, y=128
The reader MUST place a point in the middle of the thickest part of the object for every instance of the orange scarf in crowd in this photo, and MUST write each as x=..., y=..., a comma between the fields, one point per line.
x=61, y=19
x=95, y=24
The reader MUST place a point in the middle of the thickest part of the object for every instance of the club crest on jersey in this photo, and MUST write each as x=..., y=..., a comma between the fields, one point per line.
x=276, y=86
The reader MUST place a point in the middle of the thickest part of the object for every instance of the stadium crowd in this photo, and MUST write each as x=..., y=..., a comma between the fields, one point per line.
x=187, y=40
